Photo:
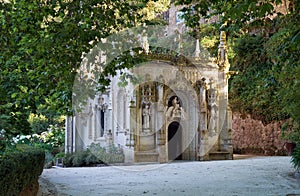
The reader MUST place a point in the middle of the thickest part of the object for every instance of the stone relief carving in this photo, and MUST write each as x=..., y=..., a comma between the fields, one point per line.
x=213, y=108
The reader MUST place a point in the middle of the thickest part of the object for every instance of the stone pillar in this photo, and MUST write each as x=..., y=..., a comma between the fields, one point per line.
x=204, y=147
x=74, y=132
x=77, y=137
x=90, y=123
x=161, y=139
x=133, y=124
x=94, y=123
x=108, y=121
x=203, y=106
x=69, y=134
x=225, y=122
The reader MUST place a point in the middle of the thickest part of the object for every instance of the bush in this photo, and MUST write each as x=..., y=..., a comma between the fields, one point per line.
x=68, y=160
x=38, y=123
x=20, y=169
x=95, y=154
x=80, y=159
x=296, y=157
x=51, y=140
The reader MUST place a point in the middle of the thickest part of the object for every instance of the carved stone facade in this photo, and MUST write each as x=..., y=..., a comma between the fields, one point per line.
x=179, y=111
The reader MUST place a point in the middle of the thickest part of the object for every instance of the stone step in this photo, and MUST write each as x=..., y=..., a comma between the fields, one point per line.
x=146, y=157
x=220, y=155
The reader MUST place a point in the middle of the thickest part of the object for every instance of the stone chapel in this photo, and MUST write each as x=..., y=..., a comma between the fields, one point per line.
x=179, y=111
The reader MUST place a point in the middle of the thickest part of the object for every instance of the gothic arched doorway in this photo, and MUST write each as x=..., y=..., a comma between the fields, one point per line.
x=175, y=141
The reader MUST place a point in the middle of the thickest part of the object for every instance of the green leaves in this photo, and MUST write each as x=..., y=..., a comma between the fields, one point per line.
x=269, y=58
x=239, y=13
x=42, y=46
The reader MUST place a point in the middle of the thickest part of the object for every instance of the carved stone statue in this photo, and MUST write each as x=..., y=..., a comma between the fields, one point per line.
x=212, y=103
x=175, y=110
x=203, y=105
x=203, y=101
x=146, y=113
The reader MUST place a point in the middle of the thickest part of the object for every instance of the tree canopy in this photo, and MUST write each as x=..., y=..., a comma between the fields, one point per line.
x=43, y=43
x=265, y=39
x=42, y=46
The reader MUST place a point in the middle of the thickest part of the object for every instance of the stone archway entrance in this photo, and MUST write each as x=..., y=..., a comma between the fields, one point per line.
x=175, y=141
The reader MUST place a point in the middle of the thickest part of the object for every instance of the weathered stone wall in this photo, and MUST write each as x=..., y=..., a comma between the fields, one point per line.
x=252, y=136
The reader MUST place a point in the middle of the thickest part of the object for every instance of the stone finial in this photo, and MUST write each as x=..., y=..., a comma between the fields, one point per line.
x=179, y=39
x=197, y=50
x=222, y=60
x=145, y=43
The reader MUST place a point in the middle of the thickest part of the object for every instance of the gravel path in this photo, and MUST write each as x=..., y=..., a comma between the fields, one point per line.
x=251, y=176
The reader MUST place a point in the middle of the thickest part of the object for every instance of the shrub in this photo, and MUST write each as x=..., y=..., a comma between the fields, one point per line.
x=79, y=159
x=68, y=160
x=3, y=140
x=38, y=123
x=95, y=154
x=295, y=160
x=19, y=169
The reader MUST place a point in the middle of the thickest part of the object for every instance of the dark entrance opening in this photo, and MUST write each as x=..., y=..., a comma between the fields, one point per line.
x=175, y=141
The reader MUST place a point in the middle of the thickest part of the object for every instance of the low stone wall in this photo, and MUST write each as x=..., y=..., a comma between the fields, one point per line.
x=251, y=136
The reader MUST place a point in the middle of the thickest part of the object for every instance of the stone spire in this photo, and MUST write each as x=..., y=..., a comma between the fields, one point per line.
x=197, y=50
x=222, y=60
x=145, y=43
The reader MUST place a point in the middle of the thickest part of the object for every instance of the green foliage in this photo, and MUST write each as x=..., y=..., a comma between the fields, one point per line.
x=255, y=89
x=3, y=140
x=291, y=131
x=240, y=14
x=42, y=46
x=296, y=157
x=95, y=154
x=272, y=64
x=51, y=140
x=54, y=137
x=38, y=123
x=79, y=159
x=19, y=169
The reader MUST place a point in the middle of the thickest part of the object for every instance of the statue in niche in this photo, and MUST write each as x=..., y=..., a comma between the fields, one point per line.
x=203, y=105
x=146, y=115
x=175, y=110
x=176, y=107
x=212, y=103
x=203, y=102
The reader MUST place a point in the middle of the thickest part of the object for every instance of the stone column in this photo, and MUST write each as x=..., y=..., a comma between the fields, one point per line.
x=132, y=128
x=73, y=133
x=69, y=134
x=222, y=61
x=94, y=123
x=108, y=114
x=203, y=106
x=161, y=147
x=203, y=154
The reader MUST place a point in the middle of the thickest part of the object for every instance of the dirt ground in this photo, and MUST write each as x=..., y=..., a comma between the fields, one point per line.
x=246, y=175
